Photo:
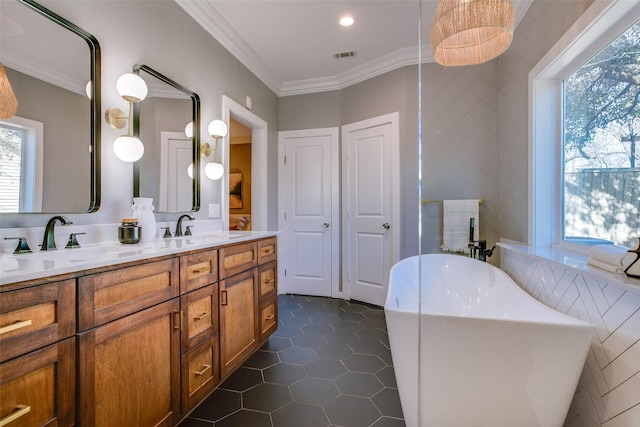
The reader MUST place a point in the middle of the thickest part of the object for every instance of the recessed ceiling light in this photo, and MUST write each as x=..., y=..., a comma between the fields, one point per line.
x=346, y=21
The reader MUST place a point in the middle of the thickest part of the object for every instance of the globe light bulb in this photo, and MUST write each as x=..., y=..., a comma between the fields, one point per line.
x=128, y=148
x=213, y=170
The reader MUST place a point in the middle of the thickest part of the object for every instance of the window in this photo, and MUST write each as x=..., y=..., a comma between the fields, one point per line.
x=584, y=178
x=11, y=155
x=20, y=165
x=601, y=151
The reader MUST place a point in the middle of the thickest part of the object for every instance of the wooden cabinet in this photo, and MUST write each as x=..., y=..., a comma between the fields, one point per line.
x=37, y=351
x=129, y=370
x=39, y=388
x=134, y=345
x=235, y=259
x=107, y=296
x=34, y=317
x=129, y=346
x=198, y=270
x=200, y=364
x=248, y=300
x=200, y=372
x=238, y=319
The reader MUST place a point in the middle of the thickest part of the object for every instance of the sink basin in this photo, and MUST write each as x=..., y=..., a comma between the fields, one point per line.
x=80, y=254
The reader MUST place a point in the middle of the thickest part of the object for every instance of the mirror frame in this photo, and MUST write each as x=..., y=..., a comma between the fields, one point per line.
x=96, y=71
x=195, y=108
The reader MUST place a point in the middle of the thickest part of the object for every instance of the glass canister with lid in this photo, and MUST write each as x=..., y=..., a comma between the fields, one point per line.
x=129, y=232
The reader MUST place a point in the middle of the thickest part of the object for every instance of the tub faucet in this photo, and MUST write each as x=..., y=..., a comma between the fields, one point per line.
x=178, y=232
x=479, y=250
x=49, y=241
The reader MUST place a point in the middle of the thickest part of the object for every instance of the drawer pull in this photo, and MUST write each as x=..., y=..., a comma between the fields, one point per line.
x=267, y=251
x=223, y=298
x=13, y=326
x=204, y=369
x=18, y=412
x=270, y=281
x=178, y=325
x=200, y=270
x=269, y=317
x=202, y=316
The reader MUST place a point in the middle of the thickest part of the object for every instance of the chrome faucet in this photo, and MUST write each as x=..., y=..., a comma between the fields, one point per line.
x=178, y=232
x=49, y=241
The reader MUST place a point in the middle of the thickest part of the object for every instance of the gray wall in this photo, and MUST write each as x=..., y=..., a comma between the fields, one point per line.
x=475, y=129
x=542, y=26
x=160, y=34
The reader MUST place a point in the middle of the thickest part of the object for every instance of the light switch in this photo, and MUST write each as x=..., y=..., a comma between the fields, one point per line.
x=214, y=210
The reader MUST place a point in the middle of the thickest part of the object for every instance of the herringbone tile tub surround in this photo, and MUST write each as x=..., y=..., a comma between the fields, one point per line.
x=608, y=393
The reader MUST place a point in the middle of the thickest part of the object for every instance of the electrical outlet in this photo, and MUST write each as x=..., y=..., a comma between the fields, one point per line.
x=214, y=210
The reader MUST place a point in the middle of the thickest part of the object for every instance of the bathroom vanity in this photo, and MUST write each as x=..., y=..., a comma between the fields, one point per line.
x=140, y=340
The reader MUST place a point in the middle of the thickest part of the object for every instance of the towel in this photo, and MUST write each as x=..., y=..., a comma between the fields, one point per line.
x=455, y=228
x=612, y=258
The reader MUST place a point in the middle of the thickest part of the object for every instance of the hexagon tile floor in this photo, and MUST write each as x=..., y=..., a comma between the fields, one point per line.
x=328, y=364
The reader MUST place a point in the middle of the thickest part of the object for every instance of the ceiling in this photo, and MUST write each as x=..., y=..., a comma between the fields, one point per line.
x=290, y=44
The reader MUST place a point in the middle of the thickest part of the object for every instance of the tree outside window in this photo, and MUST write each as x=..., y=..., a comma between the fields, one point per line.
x=601, y=145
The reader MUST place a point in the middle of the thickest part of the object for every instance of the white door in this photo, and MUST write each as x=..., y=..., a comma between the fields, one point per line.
x=371, y=231
x=175, y=157
x=308, y=212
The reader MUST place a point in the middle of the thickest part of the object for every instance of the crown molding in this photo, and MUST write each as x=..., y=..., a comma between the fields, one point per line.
x=210, y=19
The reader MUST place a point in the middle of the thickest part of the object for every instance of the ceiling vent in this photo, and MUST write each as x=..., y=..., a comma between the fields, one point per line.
x=344, y=55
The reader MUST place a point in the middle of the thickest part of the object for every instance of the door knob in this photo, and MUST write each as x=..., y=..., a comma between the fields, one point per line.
x=386, y=226
x=325, y=225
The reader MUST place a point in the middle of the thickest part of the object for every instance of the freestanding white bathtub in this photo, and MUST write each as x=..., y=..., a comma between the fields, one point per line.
x=490, y=355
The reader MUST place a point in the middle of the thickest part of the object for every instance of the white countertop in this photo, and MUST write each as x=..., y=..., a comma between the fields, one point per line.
x=39, y=264
x=576, y=261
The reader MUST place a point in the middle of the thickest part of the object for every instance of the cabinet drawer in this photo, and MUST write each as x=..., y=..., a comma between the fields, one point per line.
x=34, y=317
x=267, y=280
x=267, y=250
x=200, y=372
x=198, y=270
x=268, y=318
x=39, y=388
x=237, y=258
x=200, y=315
x=108, y=296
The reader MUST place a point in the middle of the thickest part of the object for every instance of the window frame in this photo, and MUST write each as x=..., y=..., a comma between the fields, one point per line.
x=32, y=162
x=600, y=24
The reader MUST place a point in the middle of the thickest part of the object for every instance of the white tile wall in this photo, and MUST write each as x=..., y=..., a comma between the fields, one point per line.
x=608, y=393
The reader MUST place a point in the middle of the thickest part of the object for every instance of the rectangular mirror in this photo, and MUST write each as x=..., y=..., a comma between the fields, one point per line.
x=50, y=149
x=159, y=121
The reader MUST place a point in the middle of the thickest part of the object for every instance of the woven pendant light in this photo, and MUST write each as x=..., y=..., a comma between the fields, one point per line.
x=468, y=32
x=8, y=101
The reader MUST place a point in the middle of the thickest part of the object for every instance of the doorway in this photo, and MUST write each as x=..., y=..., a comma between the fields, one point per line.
x=240, y=176
x=231, y=110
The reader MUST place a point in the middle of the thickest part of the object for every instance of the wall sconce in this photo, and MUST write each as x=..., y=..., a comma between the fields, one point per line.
x=212, y=170
x=218, y=130
x=132, y=89
x=8, y=101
